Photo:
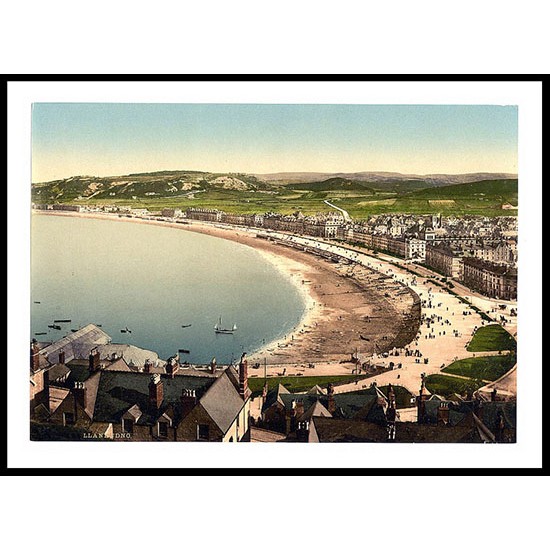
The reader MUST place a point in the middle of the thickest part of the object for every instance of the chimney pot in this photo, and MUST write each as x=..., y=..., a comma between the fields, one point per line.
x=156, y=392
x=188, y=401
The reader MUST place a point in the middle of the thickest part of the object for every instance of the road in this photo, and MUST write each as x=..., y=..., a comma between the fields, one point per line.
x=347, y=217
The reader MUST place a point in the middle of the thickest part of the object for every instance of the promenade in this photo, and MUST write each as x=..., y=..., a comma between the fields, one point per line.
x=443, y=336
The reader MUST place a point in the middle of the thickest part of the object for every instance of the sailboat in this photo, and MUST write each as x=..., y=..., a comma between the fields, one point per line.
x=220, y=330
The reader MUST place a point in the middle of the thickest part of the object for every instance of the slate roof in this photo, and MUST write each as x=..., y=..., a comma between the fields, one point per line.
x=412, y=432
x=456, y=411
x=459, y=413
x=57, y=371
x=80, y=371
x=222, y=402
x=346, y=430
x=73, y=344
x=118, y=391
x=119, y=365
x=489, y=414
x=233, y=376
x=274, y=396
x=317, y=409
x=358, y=405
x=338, y=430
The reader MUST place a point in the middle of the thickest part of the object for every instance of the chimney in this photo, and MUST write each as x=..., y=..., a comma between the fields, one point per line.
x=302, y=433
x=147, y=366
x=172, y=366
x=391, y=397
x=80, y=392
x=331, y=403
x=421, y=401
x=62, y=357
x=288, y=420
x=188, y=401
x=156, y=393
x=243, y=377
x=94, y=360
x=213, y=365
x=299, y=408
x=443, y=413
x=391, y=412
x=35, y=358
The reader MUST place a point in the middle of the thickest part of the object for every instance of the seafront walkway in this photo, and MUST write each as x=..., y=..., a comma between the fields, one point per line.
x=440, y=341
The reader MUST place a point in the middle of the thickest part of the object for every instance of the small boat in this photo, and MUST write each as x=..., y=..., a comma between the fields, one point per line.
x=40, y=333
x=56, y=327
x=124, y=330
x=183, y=351
x=61, y=320
x=36, y=302
x=74, y=330
x=220, y=330
x=185, y=326
x=99, y=325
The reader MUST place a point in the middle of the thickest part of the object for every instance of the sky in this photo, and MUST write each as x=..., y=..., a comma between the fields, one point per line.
x=103, y=139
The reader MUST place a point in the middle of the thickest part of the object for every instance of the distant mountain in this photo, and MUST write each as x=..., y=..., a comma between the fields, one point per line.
x=332, y=184
x=286, y=178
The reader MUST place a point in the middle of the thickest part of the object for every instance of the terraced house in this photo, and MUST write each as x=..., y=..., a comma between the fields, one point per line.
x=114, y=397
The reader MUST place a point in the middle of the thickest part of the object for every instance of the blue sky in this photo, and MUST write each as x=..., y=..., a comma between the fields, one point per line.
x=114, y=138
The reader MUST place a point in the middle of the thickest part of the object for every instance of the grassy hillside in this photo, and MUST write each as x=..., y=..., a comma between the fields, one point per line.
x=500, y=190
x=333, y=184
x=246, y=193
x=484, y=198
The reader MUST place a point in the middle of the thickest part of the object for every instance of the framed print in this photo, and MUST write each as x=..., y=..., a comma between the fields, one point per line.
x=329, y=273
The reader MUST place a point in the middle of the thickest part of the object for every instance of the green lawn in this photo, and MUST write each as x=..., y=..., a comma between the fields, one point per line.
x=447, y=385
x=492, y=338
x=299, y=383
x=484, y=368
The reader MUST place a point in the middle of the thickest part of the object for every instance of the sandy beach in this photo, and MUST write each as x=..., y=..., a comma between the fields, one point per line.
x=347, y=310
x=365, y=307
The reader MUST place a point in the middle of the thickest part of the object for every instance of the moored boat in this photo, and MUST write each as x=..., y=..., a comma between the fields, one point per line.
x=220, y=330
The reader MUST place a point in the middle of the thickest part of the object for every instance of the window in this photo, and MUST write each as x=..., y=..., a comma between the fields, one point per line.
x=203, y=432
x=163, y=429
x=127, y=425
x=68, y=419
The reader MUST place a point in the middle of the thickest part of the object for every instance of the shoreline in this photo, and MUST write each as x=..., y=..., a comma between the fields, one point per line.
x=344, y=302
x=336, y=305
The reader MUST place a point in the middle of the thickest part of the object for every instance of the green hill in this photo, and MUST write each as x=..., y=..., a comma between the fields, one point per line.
x=247, y=193
x=500, y=190
x=333, y=184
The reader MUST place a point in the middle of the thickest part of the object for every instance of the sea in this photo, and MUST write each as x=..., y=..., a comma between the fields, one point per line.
x=143, y=283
